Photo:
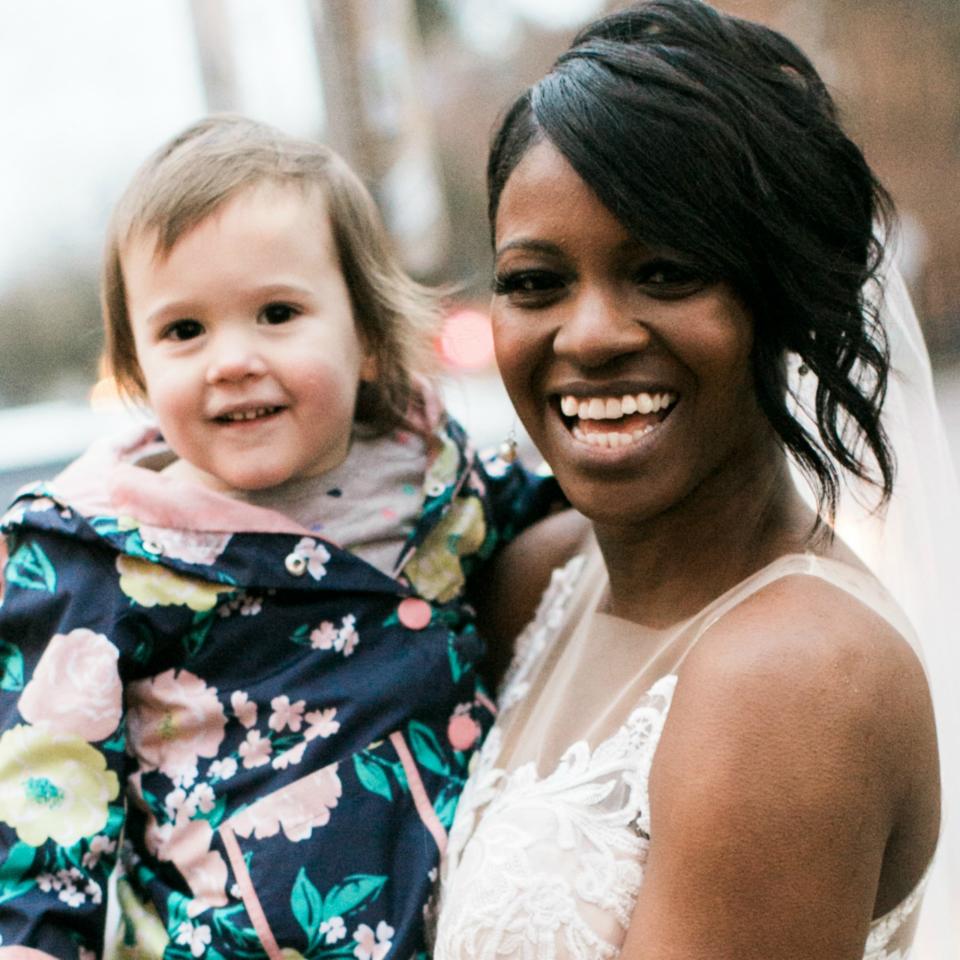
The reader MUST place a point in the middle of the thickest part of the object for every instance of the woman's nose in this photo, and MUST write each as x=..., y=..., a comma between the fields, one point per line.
x=234, y=356
x=599, y=327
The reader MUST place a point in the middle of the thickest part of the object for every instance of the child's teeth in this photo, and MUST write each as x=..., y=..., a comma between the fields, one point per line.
x=569, y=406
x=628, y=405
x=644, y=403
x=614, y=409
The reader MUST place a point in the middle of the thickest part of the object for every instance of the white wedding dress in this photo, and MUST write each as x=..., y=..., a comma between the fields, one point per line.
x=546, y=856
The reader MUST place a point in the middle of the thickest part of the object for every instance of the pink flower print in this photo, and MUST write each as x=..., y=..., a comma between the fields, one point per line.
x=173, y=801
x=286, y=714
x=223, y=769
x=190, y=546
x=202, y=799
x=324, y=637
x=292, y=756
x=347, y=638
x=244, y=709
x=372, y=946
x=316, y=555
x=99, y=845
x=297, y=809
x=173, y=719
x=197, y=938
x=255, y=750
x=321, y=723
x=76, y=686
x=186, y=844
x=333, y=929
x=343, y=639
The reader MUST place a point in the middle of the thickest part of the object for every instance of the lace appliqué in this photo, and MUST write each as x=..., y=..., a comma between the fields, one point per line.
x=883, y=939
x=539, y=633
x=548, y=868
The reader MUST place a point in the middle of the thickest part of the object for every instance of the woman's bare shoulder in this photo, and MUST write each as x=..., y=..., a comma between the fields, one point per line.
x=799, y=742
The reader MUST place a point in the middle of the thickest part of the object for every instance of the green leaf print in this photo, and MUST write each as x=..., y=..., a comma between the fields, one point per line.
x=426, y=748
x=18, y=862
x=215, y=815
x=356, y=892
x=11, y=666
x=457, y=663
x=194, y=640
x=372, y=775
x=445, y=805
x=301, y=635
x=307, y=906
x=31, y=569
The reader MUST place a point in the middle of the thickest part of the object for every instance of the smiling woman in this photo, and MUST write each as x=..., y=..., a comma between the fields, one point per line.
x=716, y=738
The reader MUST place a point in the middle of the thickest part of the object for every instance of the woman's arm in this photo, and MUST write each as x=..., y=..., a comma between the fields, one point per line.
x=794, y=790
x=507, y=598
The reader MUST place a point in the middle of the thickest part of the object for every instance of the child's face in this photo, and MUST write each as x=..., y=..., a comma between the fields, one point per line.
x=247, y=341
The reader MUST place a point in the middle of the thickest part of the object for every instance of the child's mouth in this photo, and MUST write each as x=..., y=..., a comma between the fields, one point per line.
x=611, y=422
x=243, y=416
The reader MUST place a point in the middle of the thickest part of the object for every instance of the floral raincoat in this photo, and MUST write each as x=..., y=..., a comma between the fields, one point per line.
x=268, y=732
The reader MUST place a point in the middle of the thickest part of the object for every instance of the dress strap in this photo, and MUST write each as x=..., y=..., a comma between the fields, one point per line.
x=858, y=583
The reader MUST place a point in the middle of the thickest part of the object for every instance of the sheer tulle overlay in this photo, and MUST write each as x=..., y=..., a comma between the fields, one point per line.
x=546, y=856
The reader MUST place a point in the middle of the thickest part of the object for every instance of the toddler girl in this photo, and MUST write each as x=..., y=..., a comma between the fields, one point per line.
x=240, y=644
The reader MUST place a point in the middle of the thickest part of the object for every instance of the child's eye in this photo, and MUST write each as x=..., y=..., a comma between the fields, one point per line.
x=670, y=280
x=182, y=330
x=275, y=313
x=528, y=287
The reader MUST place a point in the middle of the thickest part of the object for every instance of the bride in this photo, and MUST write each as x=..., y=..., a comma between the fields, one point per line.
x=717, y=738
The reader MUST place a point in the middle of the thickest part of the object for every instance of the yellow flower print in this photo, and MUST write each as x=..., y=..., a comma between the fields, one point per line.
x=442, y=470
x=435, y=569
x=151, y=585
x=53, y=786
x=142, y=922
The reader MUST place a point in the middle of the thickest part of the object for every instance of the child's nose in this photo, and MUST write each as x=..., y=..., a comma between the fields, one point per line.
x=234, y=357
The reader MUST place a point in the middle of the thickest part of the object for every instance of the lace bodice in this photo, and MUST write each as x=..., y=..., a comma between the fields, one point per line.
x=546, y=862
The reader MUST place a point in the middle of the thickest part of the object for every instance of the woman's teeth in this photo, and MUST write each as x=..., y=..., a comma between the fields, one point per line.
x=635, y=406
x=613, y=408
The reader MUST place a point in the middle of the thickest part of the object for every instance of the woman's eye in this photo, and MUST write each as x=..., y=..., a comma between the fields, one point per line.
x=527, y=285
x=182, y=330
x=274, y=313
x=668, y=279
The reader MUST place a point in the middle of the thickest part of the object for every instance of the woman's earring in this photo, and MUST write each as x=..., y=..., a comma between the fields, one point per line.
x=803, y=369
x=508, y=449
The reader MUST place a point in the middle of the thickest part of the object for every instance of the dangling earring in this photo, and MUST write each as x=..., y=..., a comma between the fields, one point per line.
x=508, y=449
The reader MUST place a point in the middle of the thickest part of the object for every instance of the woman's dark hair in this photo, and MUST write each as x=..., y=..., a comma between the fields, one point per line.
x=716, y=138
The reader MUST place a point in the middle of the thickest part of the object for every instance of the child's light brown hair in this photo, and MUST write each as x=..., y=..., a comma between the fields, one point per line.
x=196, y=172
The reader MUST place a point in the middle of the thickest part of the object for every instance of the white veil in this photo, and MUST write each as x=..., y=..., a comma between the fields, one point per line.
x=913, y=548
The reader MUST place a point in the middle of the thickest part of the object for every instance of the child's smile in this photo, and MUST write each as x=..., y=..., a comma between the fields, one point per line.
x=246, y=338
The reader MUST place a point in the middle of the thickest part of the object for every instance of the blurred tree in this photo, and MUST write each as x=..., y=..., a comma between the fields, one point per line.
x=50, y=338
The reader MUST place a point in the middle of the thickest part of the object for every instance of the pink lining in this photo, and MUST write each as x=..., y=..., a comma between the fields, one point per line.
x=25, y=953
x=485, y=701
x=250, y=899
x=419, y=793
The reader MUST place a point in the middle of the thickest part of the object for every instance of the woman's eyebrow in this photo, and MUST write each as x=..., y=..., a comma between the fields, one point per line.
x=528, y=245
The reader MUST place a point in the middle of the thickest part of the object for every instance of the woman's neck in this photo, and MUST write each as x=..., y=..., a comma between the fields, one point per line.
x=665, y=569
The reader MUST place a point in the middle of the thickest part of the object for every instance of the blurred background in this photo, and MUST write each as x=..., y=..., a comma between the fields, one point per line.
x=408, y=91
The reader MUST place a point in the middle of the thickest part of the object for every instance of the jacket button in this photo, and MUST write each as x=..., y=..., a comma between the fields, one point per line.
x=414, y=613
x=296, y=564
x=152, y=547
